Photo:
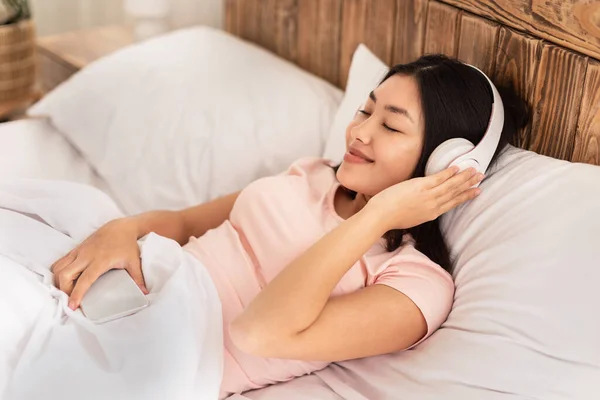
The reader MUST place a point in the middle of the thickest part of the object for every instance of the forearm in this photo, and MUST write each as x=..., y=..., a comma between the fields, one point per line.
x=199, y=219
x=180, y=225
x=293, y=300
x=163, y=222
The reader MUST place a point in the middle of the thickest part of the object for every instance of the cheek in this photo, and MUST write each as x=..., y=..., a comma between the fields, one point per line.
x=398, y=152
x=398, y=160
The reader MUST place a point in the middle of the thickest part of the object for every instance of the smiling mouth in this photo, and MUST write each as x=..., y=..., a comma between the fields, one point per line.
x=360, y=155
x=356, y=158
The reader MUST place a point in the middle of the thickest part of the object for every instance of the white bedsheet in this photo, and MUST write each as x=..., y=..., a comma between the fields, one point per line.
x=170, y=350
x=33, y=148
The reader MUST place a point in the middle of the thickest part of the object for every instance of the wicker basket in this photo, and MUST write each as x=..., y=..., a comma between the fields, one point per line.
x=17, y=60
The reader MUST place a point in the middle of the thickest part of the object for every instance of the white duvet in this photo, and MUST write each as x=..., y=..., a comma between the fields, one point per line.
x=170, y=350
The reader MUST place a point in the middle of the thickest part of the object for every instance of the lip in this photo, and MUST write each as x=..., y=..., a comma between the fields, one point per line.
x=355, y=155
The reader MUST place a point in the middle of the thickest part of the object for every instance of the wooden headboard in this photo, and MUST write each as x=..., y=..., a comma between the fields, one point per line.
x=549, y=49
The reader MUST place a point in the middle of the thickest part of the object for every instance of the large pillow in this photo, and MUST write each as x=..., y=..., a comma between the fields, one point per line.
x=525, y=321
x=34, y=149
x=366, y=71
x=195, y=114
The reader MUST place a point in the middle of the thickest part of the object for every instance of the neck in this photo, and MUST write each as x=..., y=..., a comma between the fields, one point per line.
x=346, y=206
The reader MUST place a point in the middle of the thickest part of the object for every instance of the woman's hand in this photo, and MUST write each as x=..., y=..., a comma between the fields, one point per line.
x=114, y=245
x=418, y=200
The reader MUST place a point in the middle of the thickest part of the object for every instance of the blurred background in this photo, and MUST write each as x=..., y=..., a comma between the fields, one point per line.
x=44, y=42
x=56, y=16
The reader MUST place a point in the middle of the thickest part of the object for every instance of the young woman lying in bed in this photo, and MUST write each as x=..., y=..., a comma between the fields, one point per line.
x=324, y=263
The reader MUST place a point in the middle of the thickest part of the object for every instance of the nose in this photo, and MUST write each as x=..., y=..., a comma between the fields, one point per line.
x=363, y=131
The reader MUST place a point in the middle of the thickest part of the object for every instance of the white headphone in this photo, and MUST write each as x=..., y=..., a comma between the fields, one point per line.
x=461, y=152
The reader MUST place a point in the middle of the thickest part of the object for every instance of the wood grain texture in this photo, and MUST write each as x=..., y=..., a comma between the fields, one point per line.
x=231, y=16
x=574, y=24
x=556, y=101
x=516, y=64
x=319, y=30
x=242, y=18
x=587, y=140
x=369, y=22
x=277, y=27
x=477, y=43
x=249, y=19
x=267, y=26
x=442, y=29
x=409, y=36
x=562, y=87
x=272, y=24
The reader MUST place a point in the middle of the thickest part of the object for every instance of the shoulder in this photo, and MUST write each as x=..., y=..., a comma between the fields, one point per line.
x=309, y=166
x=316, y=173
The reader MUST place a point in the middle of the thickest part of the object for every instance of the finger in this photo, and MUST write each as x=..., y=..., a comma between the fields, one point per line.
x=67, y=263
x=454, y=182
x=442, y=176
x=87, y=277
x=456, y=191
x=68, y=276
x=465, y=196
x=135, y=270
x=63, y=261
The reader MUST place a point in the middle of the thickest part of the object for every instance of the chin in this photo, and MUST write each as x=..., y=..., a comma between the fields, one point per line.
x=354, y=180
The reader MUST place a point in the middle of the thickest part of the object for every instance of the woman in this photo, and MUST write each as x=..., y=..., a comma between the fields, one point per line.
x=321, y=264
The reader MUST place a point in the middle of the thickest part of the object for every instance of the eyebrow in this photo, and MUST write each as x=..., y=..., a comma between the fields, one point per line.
x=394, y=109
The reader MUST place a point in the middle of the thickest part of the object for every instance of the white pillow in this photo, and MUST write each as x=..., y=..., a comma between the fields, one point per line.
x=525, y=321
x=189, y=116
x=366, y=71
x=34, y=149
x=527, y=276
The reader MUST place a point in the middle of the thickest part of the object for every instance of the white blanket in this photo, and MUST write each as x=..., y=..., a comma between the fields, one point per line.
x=170, y=350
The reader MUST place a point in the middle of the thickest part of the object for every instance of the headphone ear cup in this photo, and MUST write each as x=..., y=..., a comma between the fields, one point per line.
x=445, y=153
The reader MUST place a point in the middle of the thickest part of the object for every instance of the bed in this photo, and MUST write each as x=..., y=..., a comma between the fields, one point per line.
x=550, y=51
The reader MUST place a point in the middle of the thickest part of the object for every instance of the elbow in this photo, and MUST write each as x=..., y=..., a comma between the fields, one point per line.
x=254, y=338
x=259, y=338
x=247, y=337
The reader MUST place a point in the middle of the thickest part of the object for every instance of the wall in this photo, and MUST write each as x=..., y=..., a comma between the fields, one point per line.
x=56, y=16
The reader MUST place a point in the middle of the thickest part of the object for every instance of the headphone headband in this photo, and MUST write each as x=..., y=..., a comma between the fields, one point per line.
x=485, y=149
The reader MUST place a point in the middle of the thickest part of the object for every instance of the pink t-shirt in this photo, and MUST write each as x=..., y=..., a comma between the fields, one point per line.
x=273, y=221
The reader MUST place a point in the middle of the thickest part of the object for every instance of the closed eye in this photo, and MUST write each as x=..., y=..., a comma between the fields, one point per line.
x=384, y=125
x=390, y=129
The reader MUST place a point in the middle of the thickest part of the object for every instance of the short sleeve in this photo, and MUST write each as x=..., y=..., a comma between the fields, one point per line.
x=428, y=286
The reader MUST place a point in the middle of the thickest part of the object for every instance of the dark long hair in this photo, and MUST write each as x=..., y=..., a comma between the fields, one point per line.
x=456, y=101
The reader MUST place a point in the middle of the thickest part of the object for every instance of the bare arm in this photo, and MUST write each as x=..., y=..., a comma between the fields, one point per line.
x=180, y=225
x=294, y=316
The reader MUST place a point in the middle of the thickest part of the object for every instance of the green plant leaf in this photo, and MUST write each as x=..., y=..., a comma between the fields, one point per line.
x=21, y=10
